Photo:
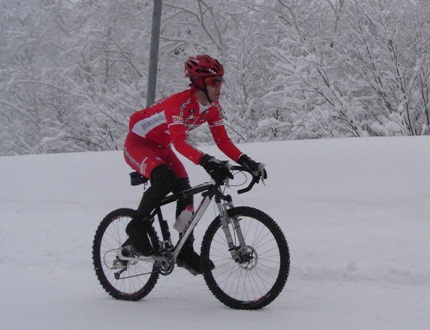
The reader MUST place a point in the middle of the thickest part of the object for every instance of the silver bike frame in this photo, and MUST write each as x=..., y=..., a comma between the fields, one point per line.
x=195, y=220
x=222, y=209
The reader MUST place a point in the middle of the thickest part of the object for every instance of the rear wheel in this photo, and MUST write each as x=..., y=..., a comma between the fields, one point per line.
x=136, y=278
x=260, y=274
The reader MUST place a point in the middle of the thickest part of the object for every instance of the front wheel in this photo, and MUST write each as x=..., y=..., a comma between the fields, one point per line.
x=258, y=276
x=131, y=280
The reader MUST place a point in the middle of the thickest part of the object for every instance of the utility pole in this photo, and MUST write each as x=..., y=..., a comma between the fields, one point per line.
x=153, y=52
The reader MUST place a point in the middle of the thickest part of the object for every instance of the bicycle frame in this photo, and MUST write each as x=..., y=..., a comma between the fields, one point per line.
x=210, y=191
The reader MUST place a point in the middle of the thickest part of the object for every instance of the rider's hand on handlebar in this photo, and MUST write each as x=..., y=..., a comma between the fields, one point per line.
x=256, y=169
x=217, y=169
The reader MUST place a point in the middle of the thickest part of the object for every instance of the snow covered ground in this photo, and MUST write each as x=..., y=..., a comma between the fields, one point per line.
x=355, y=212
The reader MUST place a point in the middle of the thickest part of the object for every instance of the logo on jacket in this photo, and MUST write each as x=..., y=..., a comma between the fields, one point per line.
x=177, y=119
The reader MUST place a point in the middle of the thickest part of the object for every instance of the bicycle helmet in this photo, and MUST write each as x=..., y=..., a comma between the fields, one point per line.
x=202, y=66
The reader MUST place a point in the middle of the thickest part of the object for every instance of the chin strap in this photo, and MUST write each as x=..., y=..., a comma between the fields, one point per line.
x=203, y=88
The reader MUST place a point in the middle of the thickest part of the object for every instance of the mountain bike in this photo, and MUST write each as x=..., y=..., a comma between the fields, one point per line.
x=244, y=257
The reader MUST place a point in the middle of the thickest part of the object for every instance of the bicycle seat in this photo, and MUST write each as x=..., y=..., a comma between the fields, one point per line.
x=136, y=179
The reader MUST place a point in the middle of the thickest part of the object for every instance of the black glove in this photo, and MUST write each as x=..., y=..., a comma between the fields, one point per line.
x=217, y=169
x=256, y=169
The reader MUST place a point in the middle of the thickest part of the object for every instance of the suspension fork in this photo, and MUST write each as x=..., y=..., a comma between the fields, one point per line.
x=225, y=222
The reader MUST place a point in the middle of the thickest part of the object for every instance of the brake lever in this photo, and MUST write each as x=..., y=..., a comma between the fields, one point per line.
x=255, y=179
x=261, y=170
x=227, y=182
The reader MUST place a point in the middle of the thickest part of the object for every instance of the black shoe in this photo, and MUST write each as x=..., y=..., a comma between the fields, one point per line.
x=190, y=260
x=137, y=231
x=142, y=246
x=127, y=251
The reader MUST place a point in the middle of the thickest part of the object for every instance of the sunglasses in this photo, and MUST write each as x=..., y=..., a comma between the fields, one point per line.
x=214, y=82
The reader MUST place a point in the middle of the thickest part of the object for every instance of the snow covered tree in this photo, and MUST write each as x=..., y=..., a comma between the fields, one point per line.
x=364, y=76
x=72, y=72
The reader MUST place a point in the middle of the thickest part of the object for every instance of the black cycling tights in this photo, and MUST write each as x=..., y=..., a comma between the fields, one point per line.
x=163, y=181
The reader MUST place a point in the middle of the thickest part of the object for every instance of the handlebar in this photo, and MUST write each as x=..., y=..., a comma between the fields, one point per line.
x=255, y=179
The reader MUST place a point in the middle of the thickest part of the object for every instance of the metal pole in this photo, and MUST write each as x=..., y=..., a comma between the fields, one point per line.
x=153, y=53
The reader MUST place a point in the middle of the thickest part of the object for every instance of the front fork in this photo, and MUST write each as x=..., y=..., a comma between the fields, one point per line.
x=235, y=250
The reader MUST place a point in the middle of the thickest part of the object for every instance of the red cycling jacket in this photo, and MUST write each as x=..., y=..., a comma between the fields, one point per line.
x=169, y=120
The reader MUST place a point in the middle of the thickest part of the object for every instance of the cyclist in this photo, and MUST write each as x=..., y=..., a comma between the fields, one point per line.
x=148, y=150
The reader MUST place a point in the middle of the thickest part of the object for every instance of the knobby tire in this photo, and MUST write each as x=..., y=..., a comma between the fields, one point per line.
x=139, y=279
x=247, y=285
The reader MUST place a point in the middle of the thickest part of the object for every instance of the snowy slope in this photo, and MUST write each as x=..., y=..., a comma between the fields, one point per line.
x=355, y=213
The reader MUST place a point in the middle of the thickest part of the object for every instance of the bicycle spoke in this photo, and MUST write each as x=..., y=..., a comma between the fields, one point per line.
x=258, y=274
x=137, y=278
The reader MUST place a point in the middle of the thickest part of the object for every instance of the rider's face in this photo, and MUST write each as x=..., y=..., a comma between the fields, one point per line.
x=213, y=85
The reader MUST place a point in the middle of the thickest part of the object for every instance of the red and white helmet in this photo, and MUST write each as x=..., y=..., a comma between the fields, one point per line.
x=202, y=66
